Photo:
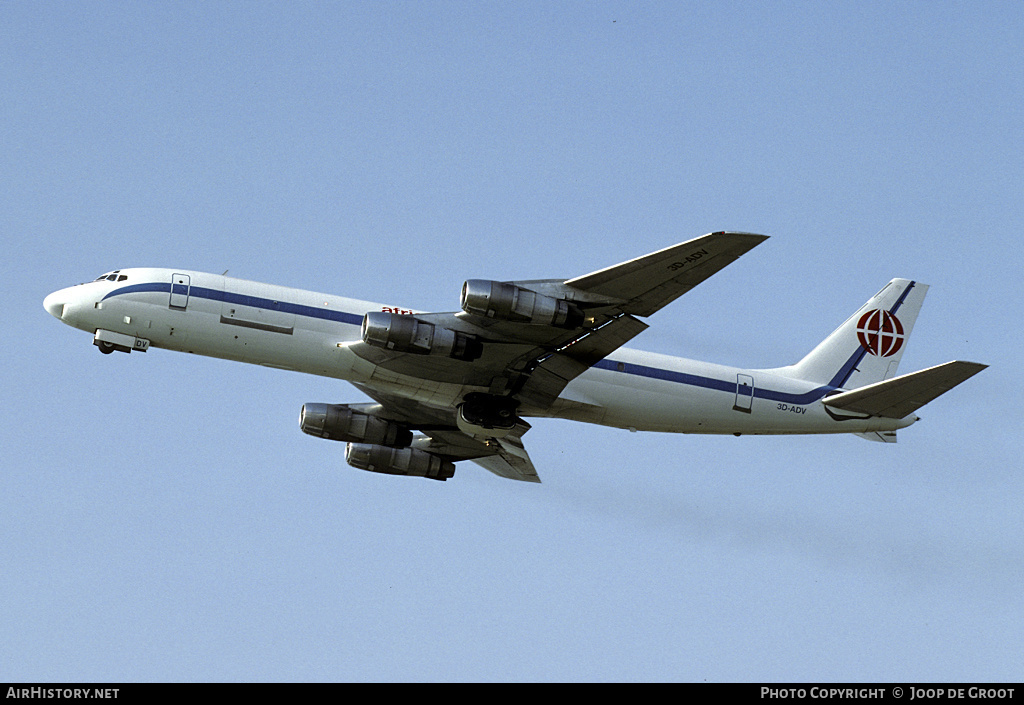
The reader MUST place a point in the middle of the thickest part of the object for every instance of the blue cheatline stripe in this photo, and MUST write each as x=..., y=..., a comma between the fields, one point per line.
x=844, y=373
x=605, y=364
x=243, y=300
x=139, y=288
x=711, y=383
x=836, y=384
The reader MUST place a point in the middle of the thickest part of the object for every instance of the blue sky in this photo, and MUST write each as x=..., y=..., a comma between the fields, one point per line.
x=163, y=518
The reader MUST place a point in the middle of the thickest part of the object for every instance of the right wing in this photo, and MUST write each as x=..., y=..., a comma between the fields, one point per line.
x=514, y=351
x=648, y=283
x=638, y=287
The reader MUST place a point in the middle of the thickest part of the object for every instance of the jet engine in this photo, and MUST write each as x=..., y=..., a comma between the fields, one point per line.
x=340, y=422
x=393, y=331
x=508, y=302
x=398, y=461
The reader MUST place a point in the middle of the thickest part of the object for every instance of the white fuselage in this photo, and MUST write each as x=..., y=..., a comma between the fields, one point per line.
x=276, y=326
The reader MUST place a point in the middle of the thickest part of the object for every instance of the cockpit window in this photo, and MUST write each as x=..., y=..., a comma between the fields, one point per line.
x=114, y=276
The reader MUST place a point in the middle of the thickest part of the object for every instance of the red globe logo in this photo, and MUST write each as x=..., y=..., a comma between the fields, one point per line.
x=880, y=333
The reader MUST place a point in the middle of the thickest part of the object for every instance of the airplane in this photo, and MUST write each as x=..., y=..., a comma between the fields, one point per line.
x=448, y=387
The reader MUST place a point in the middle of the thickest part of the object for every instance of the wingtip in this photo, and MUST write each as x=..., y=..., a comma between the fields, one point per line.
x=753, y=236
x=747, y=241
x=975, y=366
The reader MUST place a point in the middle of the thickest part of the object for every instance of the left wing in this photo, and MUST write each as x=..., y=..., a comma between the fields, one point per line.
x=518, y=344
x=506, y=457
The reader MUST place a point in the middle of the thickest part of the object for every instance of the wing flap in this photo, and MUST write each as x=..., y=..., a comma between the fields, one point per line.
x=901, y=396
x=505, y=457
x=511, y=462
x=553, y=373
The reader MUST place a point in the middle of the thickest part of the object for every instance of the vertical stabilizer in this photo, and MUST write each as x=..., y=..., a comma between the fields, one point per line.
x=867, y=348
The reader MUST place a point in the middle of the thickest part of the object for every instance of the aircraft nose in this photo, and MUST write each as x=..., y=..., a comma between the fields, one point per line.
x=54, y=304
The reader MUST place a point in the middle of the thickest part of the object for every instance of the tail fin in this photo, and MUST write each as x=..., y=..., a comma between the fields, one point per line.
x=867, y=348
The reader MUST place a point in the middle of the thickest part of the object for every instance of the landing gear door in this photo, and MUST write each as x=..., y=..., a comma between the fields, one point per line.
x=180, y=285
x=744, y=393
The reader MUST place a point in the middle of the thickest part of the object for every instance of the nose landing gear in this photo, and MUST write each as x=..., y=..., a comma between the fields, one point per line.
x=108, y=341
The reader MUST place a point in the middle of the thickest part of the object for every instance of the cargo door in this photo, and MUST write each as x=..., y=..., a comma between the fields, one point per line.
x=258, y=308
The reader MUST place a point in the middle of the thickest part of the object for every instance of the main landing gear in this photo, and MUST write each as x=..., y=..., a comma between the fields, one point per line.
x=487, y=415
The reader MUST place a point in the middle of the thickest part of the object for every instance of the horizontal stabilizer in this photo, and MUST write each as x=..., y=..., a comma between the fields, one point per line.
x=878, y=436
x=901, y=396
